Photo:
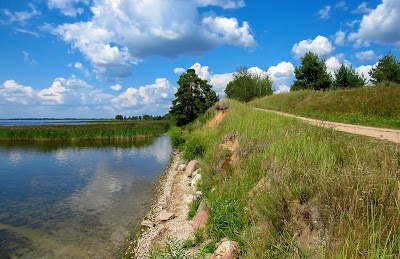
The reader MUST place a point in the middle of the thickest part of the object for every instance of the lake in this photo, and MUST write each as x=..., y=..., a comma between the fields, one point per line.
x=75, y=200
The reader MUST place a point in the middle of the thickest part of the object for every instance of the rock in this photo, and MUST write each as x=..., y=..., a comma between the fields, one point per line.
x=191, y=167
x=165, y=215
x=226, y=250
x=182, y=167
x=202, y=207
x=147, y=223
x=195, y=180
x=195, y=173
x=200, y=220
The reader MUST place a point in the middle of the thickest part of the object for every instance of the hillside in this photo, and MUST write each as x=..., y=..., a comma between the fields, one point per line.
x=282, y=188
x=370, y=106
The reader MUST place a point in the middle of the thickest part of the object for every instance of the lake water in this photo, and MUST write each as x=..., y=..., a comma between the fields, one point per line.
x=80, y=200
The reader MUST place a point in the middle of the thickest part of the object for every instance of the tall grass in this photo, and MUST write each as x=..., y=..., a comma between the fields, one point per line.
x=350, y=182
x=92, y=131
x=372, y=106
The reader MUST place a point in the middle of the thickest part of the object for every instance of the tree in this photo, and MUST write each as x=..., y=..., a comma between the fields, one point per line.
x=311, y=74
x=193, y=98
x=247, y=86
x=119, y=117
x=347, y=77
x=387, y=70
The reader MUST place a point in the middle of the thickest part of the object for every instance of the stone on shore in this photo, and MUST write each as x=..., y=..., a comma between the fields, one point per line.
x=191, y=167
x=147, y=223
x=165, y=215
x=226, y=250
x=200, y=220
x=195, y=180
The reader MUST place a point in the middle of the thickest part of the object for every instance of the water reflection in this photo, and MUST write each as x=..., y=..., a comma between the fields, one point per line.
x=57, y=198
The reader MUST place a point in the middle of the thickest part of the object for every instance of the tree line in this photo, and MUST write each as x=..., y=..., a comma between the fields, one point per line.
x=145, y=117
x=312, y=74
x=195, y=96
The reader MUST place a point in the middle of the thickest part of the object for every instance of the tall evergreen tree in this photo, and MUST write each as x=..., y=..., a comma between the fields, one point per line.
x=387, y=70
x=311, y=74
x=347, y=77
x=193, y=98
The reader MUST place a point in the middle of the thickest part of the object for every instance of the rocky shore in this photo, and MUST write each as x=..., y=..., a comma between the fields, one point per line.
x=168, y=216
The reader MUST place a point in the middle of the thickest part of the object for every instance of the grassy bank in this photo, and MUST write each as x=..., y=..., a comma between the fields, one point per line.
x=91, y=131
x=370, y=106
x=290, y=185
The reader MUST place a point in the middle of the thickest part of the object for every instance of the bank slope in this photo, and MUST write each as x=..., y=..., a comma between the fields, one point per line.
x=282, y=188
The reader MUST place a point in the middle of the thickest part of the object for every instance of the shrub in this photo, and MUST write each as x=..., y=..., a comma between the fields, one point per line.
x=177, y=139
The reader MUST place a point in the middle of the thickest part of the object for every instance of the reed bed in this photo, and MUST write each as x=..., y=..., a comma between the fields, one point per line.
x=90, y=131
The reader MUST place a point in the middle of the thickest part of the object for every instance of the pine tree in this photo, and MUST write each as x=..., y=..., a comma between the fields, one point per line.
x=346, y=77
x=387, y=70
x=193, y=98
x=311, y=74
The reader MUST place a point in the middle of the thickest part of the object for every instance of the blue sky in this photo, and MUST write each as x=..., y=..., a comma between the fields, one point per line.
x=100, y=58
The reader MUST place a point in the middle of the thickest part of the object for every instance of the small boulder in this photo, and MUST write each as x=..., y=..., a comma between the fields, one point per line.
x=165, y=215
x=195, y=173
x=191, y=167
x=200, y=220
x=195, y=180
x=226, y=250
x=147, y=223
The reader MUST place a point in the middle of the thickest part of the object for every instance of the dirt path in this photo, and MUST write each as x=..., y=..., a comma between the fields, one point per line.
x=379, y=133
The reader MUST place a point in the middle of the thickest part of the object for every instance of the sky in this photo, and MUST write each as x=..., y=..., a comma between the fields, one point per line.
x=100, y=58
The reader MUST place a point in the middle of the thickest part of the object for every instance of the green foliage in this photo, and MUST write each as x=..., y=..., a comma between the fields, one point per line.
x=247, y=86
x=193, y=98
x=173, y=249
x=119, y=117
x=371, y=106
x=335, y=174
x=387, y=70
x=347, y=77
x=91, y=131
x=195, y=147
x=176, y=136
x=311, y=74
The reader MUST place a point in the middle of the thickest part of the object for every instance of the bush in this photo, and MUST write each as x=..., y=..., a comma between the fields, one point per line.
x=194, y=148
x=177, y=139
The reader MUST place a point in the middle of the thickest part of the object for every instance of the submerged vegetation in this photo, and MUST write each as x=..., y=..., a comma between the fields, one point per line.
x=371, y=106
x=293, y=190
x=112, y=130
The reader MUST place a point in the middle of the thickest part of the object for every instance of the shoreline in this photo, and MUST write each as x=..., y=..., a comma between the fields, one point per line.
x=172, y=195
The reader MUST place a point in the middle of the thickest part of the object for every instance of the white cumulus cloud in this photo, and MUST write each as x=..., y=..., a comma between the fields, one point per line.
x=340, y=36
x=116, y=87
x=124, y=32
x=366, y=55
x=381, y=25
x=320, y=45
x=282, y=76
x=363, y=8
x=68, y=7
x=160, y=94
x=13, y=93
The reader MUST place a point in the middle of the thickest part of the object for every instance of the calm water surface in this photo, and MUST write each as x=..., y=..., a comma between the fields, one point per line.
x=79, y=200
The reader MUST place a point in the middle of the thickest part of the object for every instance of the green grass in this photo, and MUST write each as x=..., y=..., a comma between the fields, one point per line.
x=91, y=131
x=352, y=182
x=370, y=106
